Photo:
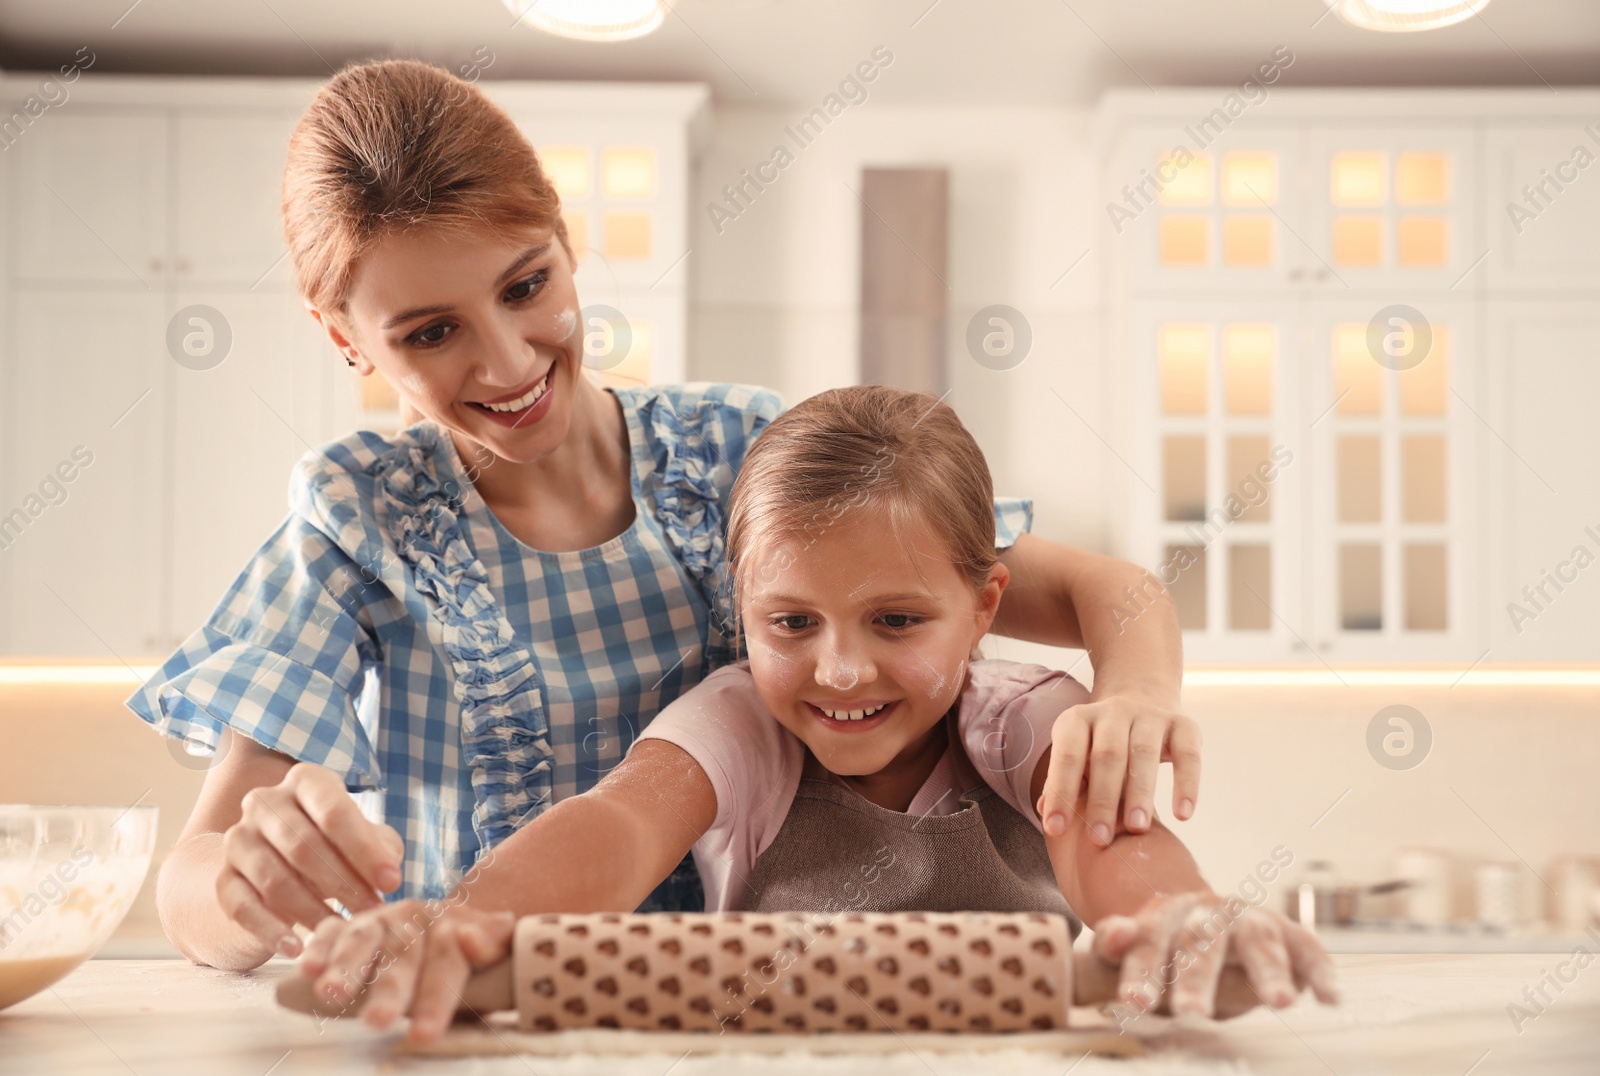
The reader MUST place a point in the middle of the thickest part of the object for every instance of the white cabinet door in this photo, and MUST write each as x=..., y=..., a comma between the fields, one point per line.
x=1543, y=604
x=91, y=197
x=229, y=174
x=1394, y=514
x=90, y=376
x=624, y=193
x=644, y=346
x=1392, y=206
x=238, y=427
x=1544, y=206
x=1219, y=463
x=1183, y=214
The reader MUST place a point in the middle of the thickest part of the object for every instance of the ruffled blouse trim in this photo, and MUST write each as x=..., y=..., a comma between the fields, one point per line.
x=685, y=493
x=505, y=733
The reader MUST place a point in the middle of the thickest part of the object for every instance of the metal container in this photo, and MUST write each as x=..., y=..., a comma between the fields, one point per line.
x=1319, y=902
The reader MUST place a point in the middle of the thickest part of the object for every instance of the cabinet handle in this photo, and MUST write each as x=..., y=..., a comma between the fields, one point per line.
x=1322, y=274
x=1296, y=274
x=157, y=265
x=181, y=265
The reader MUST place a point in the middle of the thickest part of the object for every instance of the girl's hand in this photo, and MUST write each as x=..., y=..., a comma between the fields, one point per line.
x=1121, y=738
x=408, y=960
x=297, y=843
x=1177, y=945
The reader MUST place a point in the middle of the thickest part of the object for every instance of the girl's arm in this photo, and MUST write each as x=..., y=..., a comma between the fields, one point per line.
x=1155, y=916
x=604, y=850
x=1121, y=614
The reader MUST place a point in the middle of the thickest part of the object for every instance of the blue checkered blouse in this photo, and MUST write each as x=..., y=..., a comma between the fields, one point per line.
x=394, y=631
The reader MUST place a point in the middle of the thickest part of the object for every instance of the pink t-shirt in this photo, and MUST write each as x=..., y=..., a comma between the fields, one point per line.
x=1005, y=719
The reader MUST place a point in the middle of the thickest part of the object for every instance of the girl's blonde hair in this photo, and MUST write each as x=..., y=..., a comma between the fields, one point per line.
x=867, y=446
x=397, y=144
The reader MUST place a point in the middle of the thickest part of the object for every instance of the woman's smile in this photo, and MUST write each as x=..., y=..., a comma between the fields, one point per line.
x=522, y=407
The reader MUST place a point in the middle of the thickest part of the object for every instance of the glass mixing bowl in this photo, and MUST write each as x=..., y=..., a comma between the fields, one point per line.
x=67, y=877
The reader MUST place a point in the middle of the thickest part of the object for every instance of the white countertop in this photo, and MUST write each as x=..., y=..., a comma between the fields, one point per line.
x=1401, y=1014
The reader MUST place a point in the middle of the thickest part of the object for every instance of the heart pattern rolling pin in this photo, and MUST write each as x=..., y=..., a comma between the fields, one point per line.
x=795, y=973
x=856, y=972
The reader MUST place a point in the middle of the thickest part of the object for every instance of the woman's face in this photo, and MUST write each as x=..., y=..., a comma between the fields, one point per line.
x=477, y=331
x=860, y=618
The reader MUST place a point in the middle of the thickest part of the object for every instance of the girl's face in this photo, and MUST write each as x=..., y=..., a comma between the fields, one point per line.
x=862, y=620
x=477, y=331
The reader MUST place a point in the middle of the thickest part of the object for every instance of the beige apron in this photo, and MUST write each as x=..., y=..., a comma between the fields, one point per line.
x=838, y=851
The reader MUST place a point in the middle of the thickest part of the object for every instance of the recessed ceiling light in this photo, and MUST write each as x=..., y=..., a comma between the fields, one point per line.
x=1404, y=15
x=592, y=20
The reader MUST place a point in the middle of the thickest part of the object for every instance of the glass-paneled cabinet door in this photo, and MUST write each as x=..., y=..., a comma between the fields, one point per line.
x=1391, y=207
x=623, y=189
x=1218, y=455
x=1206, y=205
x=1393, y=523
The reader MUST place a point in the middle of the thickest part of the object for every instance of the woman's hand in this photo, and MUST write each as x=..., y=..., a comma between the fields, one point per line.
x=1178, y=944
x=1122, y=615
x=407, y=959
x=297, y=843
x=1122, y=740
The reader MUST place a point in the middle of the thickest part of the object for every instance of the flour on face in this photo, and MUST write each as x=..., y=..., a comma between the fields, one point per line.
x=839, y=674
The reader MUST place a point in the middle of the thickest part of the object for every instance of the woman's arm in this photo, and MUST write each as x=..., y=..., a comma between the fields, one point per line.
x=1121, y=614
x=268, y=841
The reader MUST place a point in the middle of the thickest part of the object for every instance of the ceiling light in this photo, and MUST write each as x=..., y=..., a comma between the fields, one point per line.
x=1404, y=15
x=592, y=20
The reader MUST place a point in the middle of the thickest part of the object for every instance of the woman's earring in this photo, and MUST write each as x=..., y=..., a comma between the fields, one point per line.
x=348, y=361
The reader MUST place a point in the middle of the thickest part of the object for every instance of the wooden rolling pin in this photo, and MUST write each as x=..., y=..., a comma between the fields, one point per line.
x=788, y=972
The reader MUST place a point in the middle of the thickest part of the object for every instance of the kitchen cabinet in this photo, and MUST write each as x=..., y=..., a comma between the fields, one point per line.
x=89, y=197
x=227, y=181
x=1220, y=478
x=1391, y=458
x=1324, y=205
x=1262, y=272
x=1278, y=442
x=83, y=555
x=148, y=203
x=238, y=430
x=1543, y=600
x=142, y=196
x=1392, y=204
x=1543, y=205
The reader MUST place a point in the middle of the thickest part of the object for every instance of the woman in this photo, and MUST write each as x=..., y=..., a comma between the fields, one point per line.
x=470, y=620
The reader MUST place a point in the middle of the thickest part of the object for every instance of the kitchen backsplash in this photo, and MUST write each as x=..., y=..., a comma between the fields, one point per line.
x=1506, y=775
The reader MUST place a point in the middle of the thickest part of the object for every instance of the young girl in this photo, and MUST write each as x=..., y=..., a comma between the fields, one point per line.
x=858, y=760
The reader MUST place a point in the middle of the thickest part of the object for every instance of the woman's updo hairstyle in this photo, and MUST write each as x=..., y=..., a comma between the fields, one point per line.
x=398, y=144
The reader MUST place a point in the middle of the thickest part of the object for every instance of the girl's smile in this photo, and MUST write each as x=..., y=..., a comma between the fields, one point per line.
x=853, y=717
